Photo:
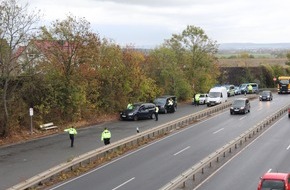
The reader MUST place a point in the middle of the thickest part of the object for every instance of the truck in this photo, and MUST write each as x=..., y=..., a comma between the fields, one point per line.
x=283, y=85
x=217, y=95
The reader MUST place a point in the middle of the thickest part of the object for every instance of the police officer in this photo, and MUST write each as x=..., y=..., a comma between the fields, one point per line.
x=196, y=98
x=170, y=105
x=250, y=89
x=129, y=106
x=156, y=113
x=106, y=136
x=72, y=132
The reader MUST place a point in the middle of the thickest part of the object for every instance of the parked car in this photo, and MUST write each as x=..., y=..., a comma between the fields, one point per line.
x=202, y=99
x=237, y=90
x=266, y=95
x=240, y=105
x=244, y=88
x=230, y=90
x=274, y=181
x=137, y=111
x=163, y=104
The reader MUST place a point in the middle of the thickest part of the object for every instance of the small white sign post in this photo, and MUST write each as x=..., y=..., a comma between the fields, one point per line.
x=31, y=114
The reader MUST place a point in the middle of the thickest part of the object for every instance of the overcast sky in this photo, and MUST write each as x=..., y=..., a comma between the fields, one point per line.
x=147, y=23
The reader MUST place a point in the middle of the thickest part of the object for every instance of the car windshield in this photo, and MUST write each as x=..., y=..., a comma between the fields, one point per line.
x=243, y=86
x=214, y=94
x=202, y=95
x=265, y=93
x=284, y=81
x=273, y=185
x=239, y=103
x=160, y=101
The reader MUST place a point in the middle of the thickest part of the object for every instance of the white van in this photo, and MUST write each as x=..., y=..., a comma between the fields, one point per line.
x=217, y=95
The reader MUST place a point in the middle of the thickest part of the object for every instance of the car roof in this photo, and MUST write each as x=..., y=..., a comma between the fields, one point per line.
x=142, y=103
x=279, y=176
x=166, y=96
x=242, y=99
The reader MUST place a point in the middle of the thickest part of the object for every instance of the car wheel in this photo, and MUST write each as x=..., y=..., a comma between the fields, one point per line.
x=232, y=113
x=165, y=110
x=152, y=116
x=135, y=118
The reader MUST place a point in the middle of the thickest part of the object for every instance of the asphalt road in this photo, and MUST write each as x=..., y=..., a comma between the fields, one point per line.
x=156, y=164
x=269, y=153
x=22, y=161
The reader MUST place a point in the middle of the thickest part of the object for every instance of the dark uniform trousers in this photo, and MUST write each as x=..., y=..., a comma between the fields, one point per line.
x=106, y=141
x=72, y=138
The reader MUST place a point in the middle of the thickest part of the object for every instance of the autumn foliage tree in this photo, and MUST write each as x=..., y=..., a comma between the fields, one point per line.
x=16, y=29
x=185, y=63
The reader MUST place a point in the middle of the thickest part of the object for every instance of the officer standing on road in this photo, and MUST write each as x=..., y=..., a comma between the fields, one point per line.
x=156, y=113
x=170, y=105
x=250, y=89
x=72, y=132
x=106, y=136
x=196, y=99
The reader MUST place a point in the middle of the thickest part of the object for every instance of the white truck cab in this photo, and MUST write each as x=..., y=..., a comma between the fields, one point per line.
x=217, y=95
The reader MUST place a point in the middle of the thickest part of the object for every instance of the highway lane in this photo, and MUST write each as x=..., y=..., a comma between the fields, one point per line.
x=22, y=161
x=270, y=152
x=156, y=164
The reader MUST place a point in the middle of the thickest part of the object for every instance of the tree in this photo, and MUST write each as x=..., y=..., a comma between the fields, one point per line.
x=288, y=59
x=16, y=28
x=70, y=50
x=186, y=60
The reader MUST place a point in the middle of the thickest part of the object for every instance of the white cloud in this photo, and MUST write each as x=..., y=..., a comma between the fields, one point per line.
x=149, y=22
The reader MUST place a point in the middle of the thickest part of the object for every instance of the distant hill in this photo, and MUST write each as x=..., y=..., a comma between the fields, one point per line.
x=252, y=46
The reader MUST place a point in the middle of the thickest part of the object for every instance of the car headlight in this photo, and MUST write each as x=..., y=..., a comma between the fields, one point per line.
x=130, y=114
x=260, y=96
x=232, y=107
x=242, y=108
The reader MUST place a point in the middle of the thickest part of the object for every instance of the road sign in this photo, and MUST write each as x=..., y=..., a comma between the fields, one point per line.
x=31, y=111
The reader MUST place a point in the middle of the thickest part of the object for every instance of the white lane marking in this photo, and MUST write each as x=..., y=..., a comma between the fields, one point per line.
x=218, y=130
x=181, y=151
x=243, y=117
x=124, y=183
x=288, y=147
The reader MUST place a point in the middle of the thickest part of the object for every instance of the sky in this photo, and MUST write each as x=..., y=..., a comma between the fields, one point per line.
x=147, y=23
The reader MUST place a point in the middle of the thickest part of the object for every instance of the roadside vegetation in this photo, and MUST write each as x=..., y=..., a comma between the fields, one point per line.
x=68, y=74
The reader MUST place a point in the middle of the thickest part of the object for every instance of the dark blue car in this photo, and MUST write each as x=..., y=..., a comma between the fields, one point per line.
x=138, y=111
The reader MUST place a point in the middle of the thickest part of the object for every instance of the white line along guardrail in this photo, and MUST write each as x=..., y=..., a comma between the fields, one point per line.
x=134, y=140
x=198, y=169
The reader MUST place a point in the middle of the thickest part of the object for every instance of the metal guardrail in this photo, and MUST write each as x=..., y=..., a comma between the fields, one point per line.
x=227, y=150
x=131, y=141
